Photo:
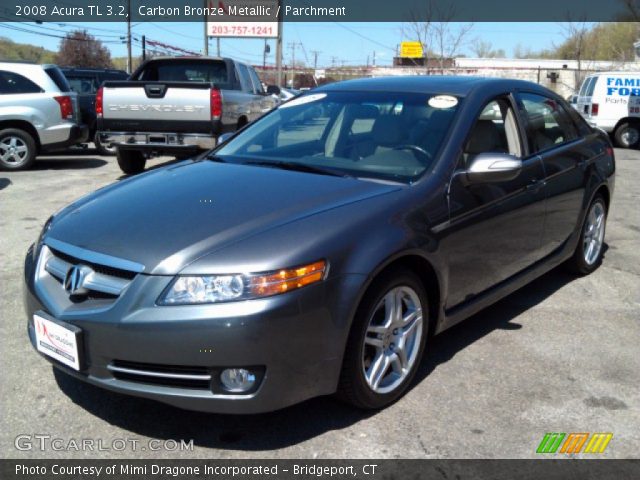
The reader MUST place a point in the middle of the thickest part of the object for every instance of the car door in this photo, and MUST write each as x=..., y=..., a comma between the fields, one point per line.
x=263, y=102
x=496, y=228
x=554, y=138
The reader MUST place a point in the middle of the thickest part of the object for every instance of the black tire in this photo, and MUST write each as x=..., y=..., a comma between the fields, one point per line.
x=353, y=387
x=102, y=150
x=131, y=161
x=578, y=263
x=627, y=135
x=17, y=149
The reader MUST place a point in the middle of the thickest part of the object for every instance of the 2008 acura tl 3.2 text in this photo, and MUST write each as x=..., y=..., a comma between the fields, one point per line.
x=314, y=251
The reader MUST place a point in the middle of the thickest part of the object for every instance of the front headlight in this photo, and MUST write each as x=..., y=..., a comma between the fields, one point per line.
x=185, y=290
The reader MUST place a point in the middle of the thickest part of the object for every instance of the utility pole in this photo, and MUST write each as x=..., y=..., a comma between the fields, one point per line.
x=206, y=31
x=279, y=47
x=374, y=58
x=144, y=48
x=315, y=58
x=333, y=61
x=292, y=46
x=264, y=53
x=129, y=59
x=218, y=46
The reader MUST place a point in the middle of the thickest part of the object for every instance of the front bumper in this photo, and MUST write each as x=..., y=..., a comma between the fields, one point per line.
x=296, y=340
x=162, y=141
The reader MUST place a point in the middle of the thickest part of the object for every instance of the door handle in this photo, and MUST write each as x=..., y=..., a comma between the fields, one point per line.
x=535, y=185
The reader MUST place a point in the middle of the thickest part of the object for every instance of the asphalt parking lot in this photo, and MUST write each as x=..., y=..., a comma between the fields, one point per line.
x=560, y=355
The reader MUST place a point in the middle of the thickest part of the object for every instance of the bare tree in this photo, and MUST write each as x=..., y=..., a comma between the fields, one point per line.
x=448, y=41
x=575, y=45
x=419, y=29
x=484, y=49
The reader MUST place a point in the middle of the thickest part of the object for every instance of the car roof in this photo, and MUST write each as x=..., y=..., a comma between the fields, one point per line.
x=453, y=85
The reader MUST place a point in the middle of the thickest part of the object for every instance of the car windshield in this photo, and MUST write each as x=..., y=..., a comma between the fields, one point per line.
x=378, y=135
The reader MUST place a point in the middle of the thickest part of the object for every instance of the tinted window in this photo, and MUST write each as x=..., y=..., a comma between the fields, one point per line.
x=495, y=131
x=257, y=84
x=549, y=123
x=591, y=86
x=58, y=78
x=83, y=84
x=209, y=71
x=12, y=83
x=385, y=135
x=245, y=81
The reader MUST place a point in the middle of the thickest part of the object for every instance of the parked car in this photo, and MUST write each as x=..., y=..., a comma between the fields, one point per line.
x=177, y=106
x=603, y=100
x=316, y=250
x=85, y=82
x=38, y=113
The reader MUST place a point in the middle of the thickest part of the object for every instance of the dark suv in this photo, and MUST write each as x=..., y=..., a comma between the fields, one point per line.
x=85, y=82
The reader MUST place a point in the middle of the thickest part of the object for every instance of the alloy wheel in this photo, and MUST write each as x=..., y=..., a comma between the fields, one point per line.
x=630, y=136
x=13, y=151
x=392, y=339
x=593, y=237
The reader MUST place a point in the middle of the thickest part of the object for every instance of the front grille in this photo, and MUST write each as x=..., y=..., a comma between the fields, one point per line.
x=99, y=281
x=104, y=269
x=164, y=375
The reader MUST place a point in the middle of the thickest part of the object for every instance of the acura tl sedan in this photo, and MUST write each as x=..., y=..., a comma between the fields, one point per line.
x=316, y=251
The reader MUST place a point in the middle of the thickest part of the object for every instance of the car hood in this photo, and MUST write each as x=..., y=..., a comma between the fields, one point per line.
x=168, y=218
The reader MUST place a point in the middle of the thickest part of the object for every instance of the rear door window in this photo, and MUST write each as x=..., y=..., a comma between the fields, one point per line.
x=549, y=124
x=257, y=84
x=591, y=86
x=208, y=71
x=245, y=80
x=12, y=84
x=83, y=84
x=58, y=78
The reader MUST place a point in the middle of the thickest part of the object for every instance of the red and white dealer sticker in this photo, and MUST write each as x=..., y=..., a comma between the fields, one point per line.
x=56, y=341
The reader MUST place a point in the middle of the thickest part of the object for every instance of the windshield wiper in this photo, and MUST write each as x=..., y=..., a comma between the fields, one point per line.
x=215, y=158
x=298, y=167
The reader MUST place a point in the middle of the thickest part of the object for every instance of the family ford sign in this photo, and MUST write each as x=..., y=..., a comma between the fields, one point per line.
x=243, y=18
x=411, y=50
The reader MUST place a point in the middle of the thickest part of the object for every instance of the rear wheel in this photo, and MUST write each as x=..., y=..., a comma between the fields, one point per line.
x=101, y=148
x=590, y=249
x=17, y=149
x=627, y=135
x=131, y=161
x=386, y=341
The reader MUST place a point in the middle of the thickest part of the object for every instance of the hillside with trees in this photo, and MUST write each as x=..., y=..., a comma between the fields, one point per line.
x=10, y=50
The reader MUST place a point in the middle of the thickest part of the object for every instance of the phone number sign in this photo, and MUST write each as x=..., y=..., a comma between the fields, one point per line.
x=243, y=18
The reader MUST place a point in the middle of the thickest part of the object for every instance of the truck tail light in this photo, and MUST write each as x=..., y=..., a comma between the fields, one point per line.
x=66, y=107
x=216, y=104
x=594, y=109
x=99, y=110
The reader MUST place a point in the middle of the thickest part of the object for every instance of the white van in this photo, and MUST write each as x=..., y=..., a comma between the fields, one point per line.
x=604, y=101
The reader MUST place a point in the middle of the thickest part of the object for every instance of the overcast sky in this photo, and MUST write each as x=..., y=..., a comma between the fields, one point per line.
x=350, y=43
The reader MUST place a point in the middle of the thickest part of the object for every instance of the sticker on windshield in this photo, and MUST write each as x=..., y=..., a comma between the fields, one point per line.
x=304, y=99
x=443, y=101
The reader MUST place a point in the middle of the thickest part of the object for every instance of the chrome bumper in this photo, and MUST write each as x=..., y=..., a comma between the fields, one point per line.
x=158, y=140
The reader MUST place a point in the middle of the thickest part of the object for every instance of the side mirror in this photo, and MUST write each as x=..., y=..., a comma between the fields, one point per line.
x=273, y=90
x=492, y=167
x=223, y=137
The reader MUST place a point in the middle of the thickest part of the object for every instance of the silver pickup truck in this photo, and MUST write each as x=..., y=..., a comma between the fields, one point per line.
x=177, y=106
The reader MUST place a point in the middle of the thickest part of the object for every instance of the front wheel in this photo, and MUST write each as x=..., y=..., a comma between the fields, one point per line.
x=131, y=161
x=17, y=149
x=627, y=135
x=590, y=249
x=386, y=341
